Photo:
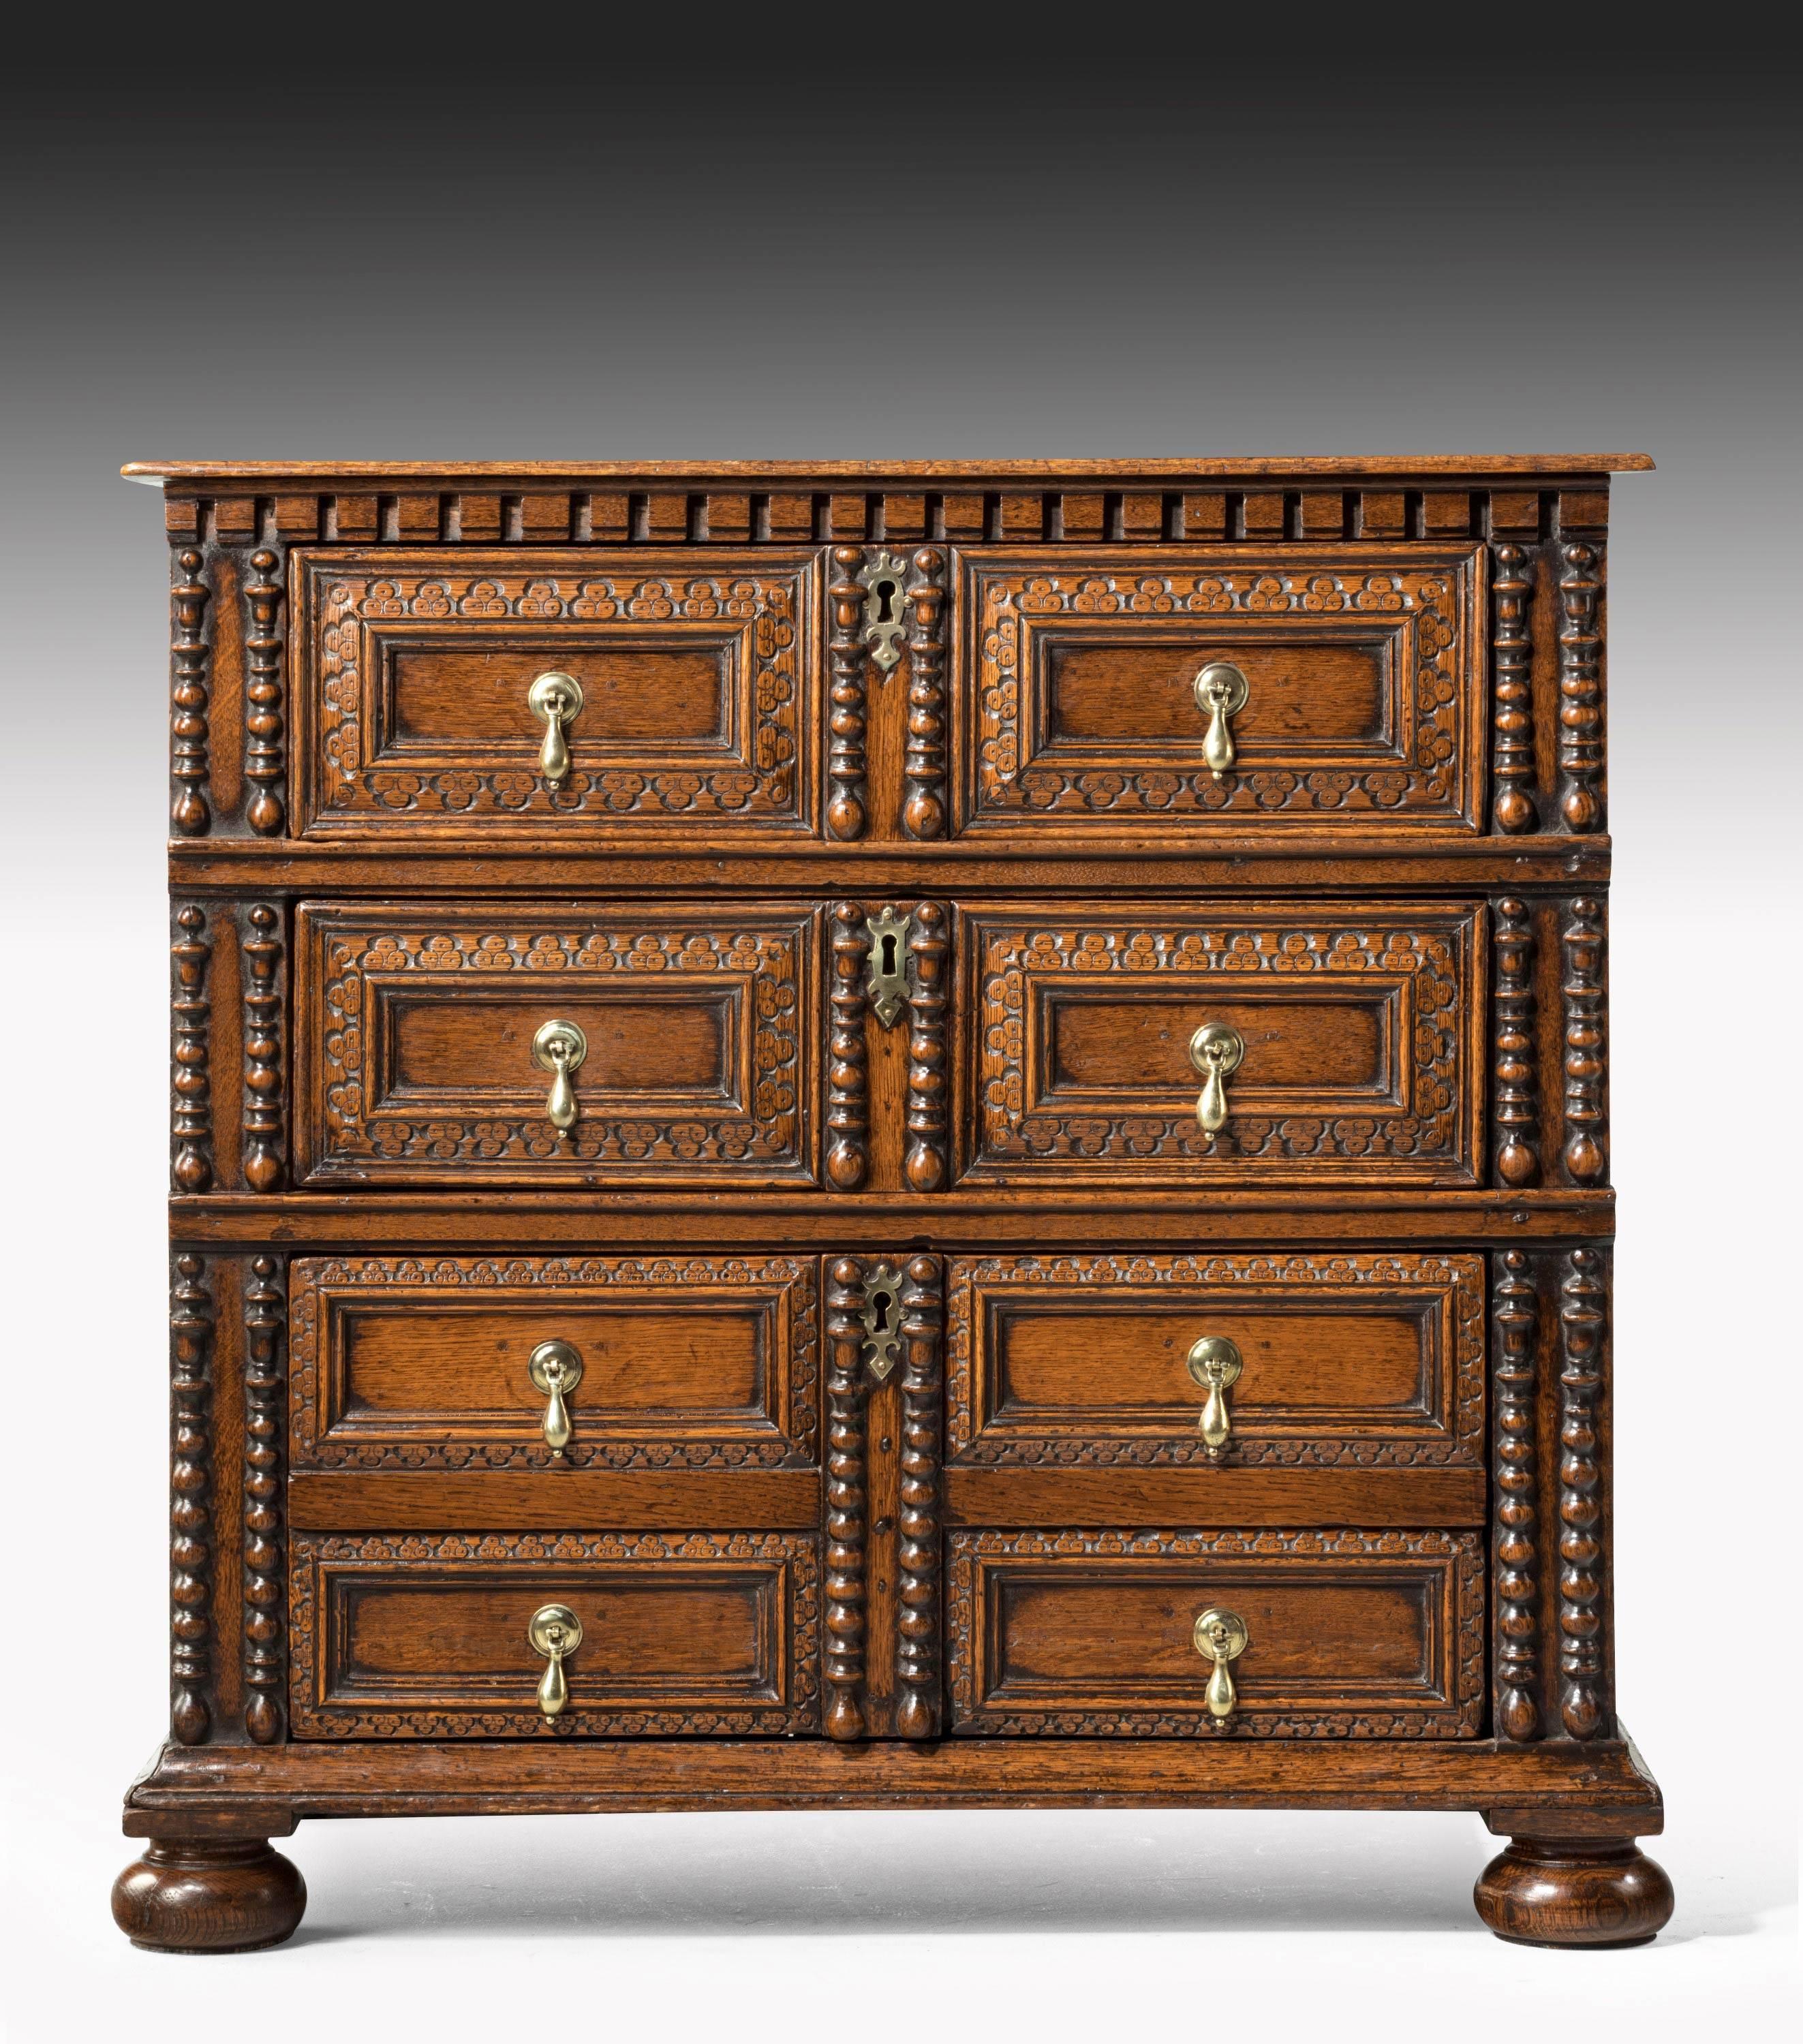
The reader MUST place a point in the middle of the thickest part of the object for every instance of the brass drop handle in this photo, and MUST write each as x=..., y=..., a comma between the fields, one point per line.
x=1221, y=1637
x=1215, y=1050
x=555, y=700
x=555, y=1631
x=1215, y=1363
x=560, y=1047
x=556, y=1369
x=1221, y=691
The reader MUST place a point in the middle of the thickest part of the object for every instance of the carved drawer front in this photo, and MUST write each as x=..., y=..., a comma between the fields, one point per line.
x=1110, y=1360
x=1346, y=1634
x=1355, y=697
x=422, y=1057
x=605, y=1363
x=1359, y=1059
x=397, y=1636
x=698, y=676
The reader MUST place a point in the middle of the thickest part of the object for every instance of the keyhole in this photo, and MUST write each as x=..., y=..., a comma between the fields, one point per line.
x=884, y=611
x=880, y=1304
x=889, y=957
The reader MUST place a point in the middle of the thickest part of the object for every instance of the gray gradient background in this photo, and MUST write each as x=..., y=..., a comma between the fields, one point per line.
x=1197, y=234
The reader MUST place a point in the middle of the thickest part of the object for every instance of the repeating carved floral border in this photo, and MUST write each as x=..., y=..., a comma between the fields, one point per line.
x=1461, y=1278
x=771, y=608
x=1434, y=963
x=791, y=1282
x=1429, y=778
x=1462, y=1555
x=793, y=1554
x=767, y=962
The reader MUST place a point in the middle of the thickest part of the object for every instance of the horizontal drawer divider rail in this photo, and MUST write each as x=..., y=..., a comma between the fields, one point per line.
x=449, y=1500
x=789, y=1500
x=1034, y=1218
x=1215, y=1497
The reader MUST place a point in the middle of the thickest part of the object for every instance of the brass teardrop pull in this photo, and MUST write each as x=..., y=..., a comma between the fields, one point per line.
x=1221, y=1637
x=556, y=1369
x=1215, y=1363
x=1215, y=1050
x=559, y=1048
x=1221, y=691
x=555, y=1631
x=555, y=700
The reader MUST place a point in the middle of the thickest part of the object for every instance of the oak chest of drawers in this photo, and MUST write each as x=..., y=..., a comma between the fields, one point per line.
x=894, y=1134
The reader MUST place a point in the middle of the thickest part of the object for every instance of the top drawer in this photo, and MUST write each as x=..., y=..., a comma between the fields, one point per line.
x=697, y=672
x=1355, y=696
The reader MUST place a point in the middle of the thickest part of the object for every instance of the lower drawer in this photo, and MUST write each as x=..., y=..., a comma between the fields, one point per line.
x=1347, y=1635
x=402, y=1636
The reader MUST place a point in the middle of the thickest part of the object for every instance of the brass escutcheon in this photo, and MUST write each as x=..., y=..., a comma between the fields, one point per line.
x=1215, y=1363
x=559, y=1048
x=555, y=1631
x=1221, y=1637
x=1221, y=691
x=886, y=580
x=1215, y=1050
x=886, y=986
x=555, y=700
x=883, y=1320
x=556, y=1368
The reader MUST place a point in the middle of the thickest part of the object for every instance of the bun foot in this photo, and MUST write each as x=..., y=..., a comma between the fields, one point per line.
x=1596, y=1895
x=209, y=1895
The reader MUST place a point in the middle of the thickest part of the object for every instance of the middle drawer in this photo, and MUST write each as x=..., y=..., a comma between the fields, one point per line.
x=488, y=1043
x=1153, y=1043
